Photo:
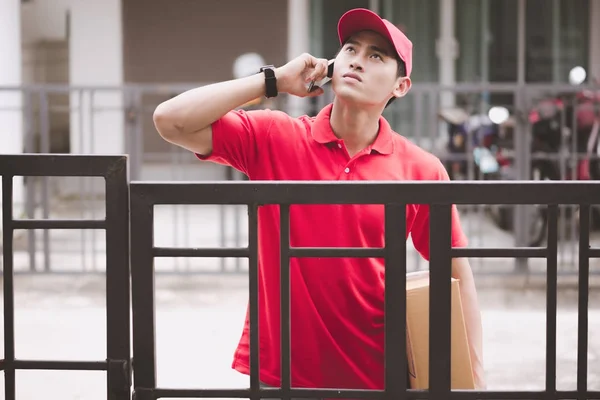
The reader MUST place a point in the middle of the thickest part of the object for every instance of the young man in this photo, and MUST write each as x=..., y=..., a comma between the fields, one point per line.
x=337, y=336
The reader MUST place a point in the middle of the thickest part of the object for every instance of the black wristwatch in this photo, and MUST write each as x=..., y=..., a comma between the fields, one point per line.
x=270, y=80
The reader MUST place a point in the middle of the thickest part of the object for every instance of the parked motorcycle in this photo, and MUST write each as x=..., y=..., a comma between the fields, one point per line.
x=486, y=145
x=563, y=124
x=468, y=133
x=498, y=165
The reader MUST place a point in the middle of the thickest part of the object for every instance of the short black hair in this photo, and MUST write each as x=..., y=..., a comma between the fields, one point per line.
x=400, y=71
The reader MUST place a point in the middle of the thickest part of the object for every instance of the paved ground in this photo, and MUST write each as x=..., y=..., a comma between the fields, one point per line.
x=199, y=320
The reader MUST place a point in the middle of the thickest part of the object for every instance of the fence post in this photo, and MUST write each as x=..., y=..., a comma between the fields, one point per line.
x=521, y=138
x=523, y=167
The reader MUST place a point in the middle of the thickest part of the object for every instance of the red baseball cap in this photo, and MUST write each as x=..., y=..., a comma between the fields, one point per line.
x=360, y=19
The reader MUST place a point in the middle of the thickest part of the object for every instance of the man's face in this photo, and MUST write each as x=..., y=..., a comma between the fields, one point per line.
x=366, y=71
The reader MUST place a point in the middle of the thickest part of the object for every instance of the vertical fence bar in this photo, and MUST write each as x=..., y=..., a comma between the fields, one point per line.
x=520, y=135
x=223, y=233
x=440, y=301
x=8, y=287
x=30, y=180
x=582, y=316
x=419, y=118
x=175, y=168
x=236, y=229
x=45, y=131
x=91, y=182
x=574, y=165
x=137, y=140
x=521, y=212
x=395, y=301
x=432, y=120
x=563, y=176
x=117, y=281
x=253, y=289
x=284, y=218
x=142, y=288
x=551, y=301
x=82, y=180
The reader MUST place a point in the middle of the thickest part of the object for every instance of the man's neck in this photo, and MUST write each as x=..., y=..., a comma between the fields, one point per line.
x=357, y=127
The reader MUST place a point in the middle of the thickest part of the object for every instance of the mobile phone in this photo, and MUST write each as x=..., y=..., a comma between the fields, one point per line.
x=314, y=85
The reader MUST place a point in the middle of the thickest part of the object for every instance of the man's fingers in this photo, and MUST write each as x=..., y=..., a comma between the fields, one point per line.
x=317, y=91
x=323, y=66
x=320, y=69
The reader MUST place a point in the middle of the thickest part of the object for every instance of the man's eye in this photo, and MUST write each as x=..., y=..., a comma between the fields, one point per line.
x=349, y=48
x=378, y=56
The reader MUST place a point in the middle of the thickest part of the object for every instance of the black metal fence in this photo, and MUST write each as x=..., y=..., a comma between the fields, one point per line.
x=131, y=207
x=116, y=224
x=395, y=196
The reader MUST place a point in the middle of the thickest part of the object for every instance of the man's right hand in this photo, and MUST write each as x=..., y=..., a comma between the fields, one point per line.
x=294, y=77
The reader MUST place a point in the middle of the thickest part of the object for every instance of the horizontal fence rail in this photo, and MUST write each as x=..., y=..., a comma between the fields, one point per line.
x=116, y=225
x=440, y=196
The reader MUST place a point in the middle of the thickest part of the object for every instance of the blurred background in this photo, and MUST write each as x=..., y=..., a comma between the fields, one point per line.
x=502, y=90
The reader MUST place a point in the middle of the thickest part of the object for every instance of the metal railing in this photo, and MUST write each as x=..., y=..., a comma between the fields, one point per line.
x=394, y=196
x=113, y=169
x=63, y=118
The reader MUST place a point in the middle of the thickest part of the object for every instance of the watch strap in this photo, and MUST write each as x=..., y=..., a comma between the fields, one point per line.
x=270, y=80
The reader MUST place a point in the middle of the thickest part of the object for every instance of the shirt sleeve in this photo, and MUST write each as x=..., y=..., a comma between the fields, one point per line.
x=238, y=137
x=420, y=227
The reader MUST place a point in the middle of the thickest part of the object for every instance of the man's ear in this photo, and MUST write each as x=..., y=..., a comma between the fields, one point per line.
x=403, y=85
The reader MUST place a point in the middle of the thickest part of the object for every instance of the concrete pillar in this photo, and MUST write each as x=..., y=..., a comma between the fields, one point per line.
x=374, y=6
x=447, y=51
x=594, y=69
x=298, y=43
x=96, y=59
x=11, y=116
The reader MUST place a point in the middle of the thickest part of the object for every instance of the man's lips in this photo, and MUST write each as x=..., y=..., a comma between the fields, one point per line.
x=353, y=76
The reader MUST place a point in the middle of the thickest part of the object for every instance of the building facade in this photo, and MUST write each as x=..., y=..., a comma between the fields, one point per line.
x=97, y=47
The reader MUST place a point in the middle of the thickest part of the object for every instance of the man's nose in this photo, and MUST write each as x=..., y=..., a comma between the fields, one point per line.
x=356, y=64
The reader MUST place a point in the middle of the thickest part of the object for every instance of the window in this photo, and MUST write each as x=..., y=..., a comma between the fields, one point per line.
x=557, y=39
x=324, y=20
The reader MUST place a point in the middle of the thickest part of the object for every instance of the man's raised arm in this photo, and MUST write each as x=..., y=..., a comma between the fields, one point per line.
x=186, y=119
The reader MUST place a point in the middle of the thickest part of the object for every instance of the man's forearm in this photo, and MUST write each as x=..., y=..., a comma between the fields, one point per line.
x=198, y=108
x=462, y=270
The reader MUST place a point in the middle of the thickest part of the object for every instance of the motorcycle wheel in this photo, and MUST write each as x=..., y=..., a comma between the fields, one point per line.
x=538, y=227
x=501, y=216
x=595, y=170
x=538, y=219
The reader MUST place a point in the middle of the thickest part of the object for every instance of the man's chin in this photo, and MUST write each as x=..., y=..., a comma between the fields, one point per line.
x=350, y=96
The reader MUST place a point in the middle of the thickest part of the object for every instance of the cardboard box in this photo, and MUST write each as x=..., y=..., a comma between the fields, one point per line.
x=417, y=335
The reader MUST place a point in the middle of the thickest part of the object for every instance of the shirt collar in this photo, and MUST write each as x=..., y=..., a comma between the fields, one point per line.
x=322, y=132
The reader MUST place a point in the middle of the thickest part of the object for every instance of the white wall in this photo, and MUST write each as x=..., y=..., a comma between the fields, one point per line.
x=96, y=59
x=298, y=43
x=11, y=122
x=44, y=19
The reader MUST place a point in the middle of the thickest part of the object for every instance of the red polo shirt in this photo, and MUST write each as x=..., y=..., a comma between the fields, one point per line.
x=337, y=304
